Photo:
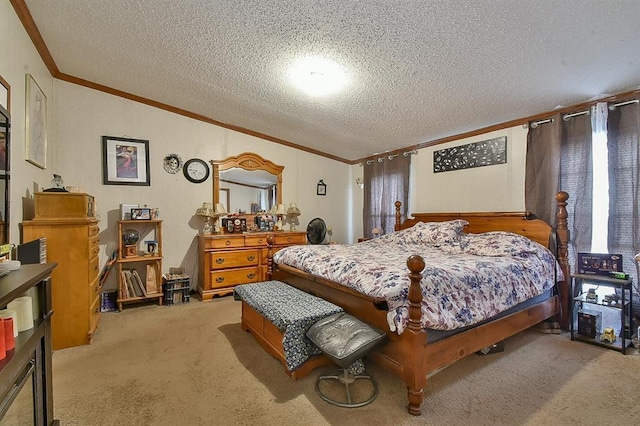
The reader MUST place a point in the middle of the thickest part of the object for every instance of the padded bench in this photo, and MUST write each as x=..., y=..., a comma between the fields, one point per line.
x=278, y=316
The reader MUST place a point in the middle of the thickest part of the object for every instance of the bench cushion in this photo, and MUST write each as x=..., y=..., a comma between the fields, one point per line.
x=291, y=310
x=344, y=338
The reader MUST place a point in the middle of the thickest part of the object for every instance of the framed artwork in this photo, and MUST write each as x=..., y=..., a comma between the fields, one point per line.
x=476, y=154
x=125, y=161
x=4, y=94
x=36, y=124
x=140, y=214
x=322, y=188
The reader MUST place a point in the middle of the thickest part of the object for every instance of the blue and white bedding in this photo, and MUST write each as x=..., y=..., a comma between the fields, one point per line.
x=468, y=278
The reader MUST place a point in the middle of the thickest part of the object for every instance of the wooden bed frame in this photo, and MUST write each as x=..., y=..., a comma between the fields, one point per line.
x=408, y=355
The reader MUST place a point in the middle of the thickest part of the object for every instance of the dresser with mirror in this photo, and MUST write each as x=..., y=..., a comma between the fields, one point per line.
x=245, y=184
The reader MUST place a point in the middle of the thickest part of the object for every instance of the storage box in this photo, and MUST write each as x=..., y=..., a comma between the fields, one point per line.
x=57, y=205
x=599, y=263
x=176, y=288
x=589, y=323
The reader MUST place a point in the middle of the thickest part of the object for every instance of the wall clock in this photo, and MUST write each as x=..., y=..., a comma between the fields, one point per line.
x=196, y=170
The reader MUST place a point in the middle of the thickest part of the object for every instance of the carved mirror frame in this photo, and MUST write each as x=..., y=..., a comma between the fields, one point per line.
x=247, y=161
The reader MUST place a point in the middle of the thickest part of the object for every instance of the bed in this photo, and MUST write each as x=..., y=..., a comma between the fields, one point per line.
x=411, y=351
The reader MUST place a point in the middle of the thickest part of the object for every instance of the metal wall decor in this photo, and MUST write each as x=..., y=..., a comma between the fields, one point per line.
x=476, y=154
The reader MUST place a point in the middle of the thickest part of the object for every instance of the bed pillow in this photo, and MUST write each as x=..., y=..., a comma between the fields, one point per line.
x=498, y=243
x=435, y=232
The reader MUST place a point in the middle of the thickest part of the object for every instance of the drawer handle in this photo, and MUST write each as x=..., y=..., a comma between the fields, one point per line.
x=95, y=268
x=219, y=280
x=227, y=243
x=220, y=260
x=96, y=310
x=251, y=258
x=260, y=241
x=251, y=276
x=288, y=239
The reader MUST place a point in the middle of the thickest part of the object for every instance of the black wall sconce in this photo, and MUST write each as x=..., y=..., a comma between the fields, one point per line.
x=322, y=188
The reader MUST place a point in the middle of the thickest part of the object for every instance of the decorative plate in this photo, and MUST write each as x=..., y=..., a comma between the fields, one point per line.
x=172, y=163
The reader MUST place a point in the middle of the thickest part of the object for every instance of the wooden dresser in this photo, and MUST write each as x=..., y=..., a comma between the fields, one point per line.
x=230, y=259
x=68, y=222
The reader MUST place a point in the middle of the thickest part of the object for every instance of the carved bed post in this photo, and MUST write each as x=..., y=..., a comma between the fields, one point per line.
x=270, y=242
x=416, y=374
x=398, y=216
x=563, y=257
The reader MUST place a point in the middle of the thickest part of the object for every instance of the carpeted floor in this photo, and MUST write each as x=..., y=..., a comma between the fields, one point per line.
x=191, y=364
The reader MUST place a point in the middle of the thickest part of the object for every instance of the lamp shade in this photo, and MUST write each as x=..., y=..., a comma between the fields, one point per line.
x=220, y=210
x=205, y=210
x=280, y=209
x=293, y=210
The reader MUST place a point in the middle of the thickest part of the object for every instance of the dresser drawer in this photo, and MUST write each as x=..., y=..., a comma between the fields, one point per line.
x=94, y=316
x=94, y=291
x=291, y=239
x=226, y=278
x=94, y=230
x=93, y=268
x=94, y=246
x=234, y=259
x=255, y=240
x=229, y=242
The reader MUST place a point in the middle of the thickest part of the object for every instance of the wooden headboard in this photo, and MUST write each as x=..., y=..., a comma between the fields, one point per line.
x=521, y=223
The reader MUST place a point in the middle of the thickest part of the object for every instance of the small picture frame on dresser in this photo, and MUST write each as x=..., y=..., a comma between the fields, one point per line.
x=140, y=214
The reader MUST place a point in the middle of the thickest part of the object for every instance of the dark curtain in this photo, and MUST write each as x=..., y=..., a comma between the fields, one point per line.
x=386, y=182
x=576, y=173
x=623, y=145
x=542, y=165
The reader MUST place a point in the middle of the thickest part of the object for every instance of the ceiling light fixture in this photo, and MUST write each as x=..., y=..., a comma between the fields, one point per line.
x=317, y=76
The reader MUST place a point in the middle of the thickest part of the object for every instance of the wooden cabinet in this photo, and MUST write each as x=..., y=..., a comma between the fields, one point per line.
x=26, y=390
x=231, y=259
x=73, y=243
x=140, y=262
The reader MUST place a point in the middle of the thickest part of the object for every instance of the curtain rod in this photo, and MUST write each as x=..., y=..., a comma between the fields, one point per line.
x=535, y=124
x=566, y=117
x=614, y=106
x=390, y=157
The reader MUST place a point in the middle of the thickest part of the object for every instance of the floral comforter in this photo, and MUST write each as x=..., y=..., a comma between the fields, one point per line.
x=468, y=278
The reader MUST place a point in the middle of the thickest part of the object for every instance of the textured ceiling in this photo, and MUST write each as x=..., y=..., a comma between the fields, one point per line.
x=417, y=70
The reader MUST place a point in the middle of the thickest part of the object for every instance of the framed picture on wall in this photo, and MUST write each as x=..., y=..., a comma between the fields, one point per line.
x=36, y=124
x=125, y=161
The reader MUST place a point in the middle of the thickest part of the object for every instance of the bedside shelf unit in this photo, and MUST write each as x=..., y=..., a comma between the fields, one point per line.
x=605, y=286
x=137, y=259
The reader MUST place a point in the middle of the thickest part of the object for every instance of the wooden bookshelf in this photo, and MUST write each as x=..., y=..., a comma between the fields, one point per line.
x=139, y=265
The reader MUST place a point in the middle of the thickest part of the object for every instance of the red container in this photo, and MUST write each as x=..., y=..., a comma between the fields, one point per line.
x=9, y=340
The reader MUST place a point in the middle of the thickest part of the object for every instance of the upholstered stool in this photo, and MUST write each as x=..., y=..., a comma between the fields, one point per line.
x=345, y=339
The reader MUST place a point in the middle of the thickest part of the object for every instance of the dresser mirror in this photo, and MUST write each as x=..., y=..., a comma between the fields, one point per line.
x=5, y=133
x=249, y=182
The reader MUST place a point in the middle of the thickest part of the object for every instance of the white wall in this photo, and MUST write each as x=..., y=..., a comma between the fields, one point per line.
x=491, y=188
x=19, y=57
x=85, y=115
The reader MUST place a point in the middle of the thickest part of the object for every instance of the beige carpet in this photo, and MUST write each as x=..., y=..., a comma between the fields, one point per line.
x=191, y=364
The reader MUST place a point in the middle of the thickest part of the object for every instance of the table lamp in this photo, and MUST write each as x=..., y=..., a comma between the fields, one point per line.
x=218, y=213
x=280, y=211
x=292, y=214
x=207, y=212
